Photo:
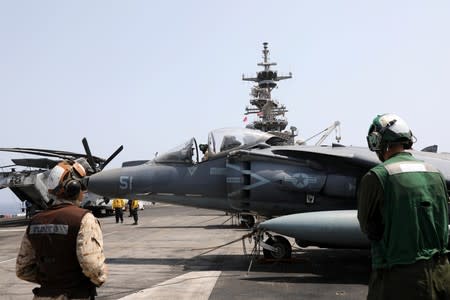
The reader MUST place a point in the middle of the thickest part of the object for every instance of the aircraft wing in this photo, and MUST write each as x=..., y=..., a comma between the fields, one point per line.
x=354, y=155
x=343, y=157
x=441, y=161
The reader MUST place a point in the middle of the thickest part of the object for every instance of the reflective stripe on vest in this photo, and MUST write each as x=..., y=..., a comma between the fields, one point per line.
x=49, y=229
x=409, y=166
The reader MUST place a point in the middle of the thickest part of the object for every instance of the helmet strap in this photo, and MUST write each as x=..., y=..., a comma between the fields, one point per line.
x=384, y=148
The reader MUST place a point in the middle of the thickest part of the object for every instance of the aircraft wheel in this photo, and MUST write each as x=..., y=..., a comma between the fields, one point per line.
x=284, y=249
x=248, y=220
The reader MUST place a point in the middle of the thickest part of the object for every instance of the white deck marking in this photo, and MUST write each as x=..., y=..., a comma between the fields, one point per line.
x=109, y=233
x=1, y=262
x=193, y=285
x=13, y=229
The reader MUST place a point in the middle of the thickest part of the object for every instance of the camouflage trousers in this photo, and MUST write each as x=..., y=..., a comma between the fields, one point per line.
x=425, y=279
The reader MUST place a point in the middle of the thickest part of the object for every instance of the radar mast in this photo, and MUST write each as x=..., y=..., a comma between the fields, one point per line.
x=270, y=113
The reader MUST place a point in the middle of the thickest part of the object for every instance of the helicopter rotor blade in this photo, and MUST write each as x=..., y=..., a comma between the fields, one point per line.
x=40, y=163
x=89, y=154
x=111, y=157
x=43, y=152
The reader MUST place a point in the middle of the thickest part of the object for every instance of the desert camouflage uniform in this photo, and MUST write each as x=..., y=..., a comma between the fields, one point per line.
x=89, y=253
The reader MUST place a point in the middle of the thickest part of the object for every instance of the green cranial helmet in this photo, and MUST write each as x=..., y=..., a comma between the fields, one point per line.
x=388, y=129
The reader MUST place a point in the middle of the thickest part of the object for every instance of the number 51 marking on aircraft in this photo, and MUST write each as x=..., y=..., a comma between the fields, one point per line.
x=126, y=182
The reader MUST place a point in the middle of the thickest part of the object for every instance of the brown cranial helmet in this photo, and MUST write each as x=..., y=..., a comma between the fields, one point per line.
x=64, y=180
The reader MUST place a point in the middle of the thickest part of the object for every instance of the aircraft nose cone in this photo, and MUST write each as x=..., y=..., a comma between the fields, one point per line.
x=131, y=182
x=107, y=183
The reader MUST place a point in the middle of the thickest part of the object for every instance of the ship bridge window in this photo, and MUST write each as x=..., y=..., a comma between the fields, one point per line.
x=267, y=75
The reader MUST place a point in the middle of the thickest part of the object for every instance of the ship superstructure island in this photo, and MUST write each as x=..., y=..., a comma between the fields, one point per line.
x=270, y=113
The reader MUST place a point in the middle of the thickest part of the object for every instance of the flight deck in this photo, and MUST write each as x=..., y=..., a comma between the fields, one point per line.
x=166, y=257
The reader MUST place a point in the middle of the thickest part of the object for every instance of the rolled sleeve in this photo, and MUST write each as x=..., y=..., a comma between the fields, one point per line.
x=26, y=263
x=90, y=250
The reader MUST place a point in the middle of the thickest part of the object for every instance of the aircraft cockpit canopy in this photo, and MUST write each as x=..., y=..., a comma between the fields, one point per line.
x=219, y=141
x=226, y=139
x=181, y=154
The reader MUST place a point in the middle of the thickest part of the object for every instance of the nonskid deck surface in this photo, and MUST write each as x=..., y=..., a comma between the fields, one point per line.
x=161, y=258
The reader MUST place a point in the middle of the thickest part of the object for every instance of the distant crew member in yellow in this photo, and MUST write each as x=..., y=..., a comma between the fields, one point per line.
x=134, y=210
x=118, y=204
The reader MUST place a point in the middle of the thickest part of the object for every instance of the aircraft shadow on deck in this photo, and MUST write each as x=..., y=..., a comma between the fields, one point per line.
x=310, y=266
x=220, y=226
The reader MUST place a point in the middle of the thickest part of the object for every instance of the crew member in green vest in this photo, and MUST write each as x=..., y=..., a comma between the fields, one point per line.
x=403, y=209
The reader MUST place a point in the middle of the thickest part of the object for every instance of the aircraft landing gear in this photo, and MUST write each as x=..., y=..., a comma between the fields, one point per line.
x=276, y=247
x=279, y=248
x=248, y=221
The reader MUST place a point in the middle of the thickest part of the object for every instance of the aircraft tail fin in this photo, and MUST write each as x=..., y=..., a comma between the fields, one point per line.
x=432, y=148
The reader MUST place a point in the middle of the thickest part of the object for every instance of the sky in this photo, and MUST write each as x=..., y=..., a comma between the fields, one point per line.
x=149, y=75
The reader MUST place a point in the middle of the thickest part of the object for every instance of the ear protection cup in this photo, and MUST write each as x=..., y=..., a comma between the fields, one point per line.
x=408, y=145
x=374, y=141
x=72, y=189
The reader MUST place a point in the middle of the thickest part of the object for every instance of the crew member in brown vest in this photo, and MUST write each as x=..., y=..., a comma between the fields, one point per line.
x=62, y=249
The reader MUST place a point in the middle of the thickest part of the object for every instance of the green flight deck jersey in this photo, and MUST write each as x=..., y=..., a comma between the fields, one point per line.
x=414, y=212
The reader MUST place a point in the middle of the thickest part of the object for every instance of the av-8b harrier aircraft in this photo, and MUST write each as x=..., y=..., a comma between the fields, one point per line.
x=254, y=172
